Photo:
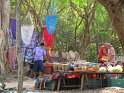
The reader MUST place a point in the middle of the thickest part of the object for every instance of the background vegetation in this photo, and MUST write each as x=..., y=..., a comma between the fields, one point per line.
x=83, y=25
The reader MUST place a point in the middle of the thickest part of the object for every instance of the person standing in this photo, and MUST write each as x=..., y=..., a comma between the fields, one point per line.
x=111, y=54
x=39, y=57
x=103, y=53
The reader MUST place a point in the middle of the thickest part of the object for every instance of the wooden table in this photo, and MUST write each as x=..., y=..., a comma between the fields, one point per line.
x=83, y=76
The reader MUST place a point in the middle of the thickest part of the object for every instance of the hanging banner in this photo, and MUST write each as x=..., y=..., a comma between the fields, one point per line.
x=13, y=27
x=51, y=24
x=27, y=29
x=48, y=38
x=35, y=40
x=28, y=55
x=26, y=33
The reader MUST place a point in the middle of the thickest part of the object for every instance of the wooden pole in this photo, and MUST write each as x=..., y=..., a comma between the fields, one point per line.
x=18, y=46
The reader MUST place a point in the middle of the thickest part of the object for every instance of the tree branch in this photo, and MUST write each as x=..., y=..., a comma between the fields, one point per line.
x=77, y=9
x=93, y=12
x=61, y=10
x=79, y=24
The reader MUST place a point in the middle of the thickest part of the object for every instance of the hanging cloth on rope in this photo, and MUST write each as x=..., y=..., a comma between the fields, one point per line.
x=52, y=9
x=27, y=29
x=11, y=57
x=48, y=38
x=14, y=57
x=52, y=19
x=13, y=27
x=51, y=24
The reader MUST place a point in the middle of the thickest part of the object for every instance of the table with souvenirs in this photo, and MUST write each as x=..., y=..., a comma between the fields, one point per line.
x=63, y=75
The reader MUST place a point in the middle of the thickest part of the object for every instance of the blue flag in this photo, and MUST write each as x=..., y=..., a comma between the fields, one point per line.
x=51, y=24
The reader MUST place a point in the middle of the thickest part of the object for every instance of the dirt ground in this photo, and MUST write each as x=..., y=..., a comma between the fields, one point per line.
x=28, y=84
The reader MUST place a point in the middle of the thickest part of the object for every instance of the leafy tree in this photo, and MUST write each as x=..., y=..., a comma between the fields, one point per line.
x=115, y=10
x=81, y=24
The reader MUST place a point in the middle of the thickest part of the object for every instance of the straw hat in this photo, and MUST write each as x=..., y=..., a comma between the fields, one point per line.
x=108, y=44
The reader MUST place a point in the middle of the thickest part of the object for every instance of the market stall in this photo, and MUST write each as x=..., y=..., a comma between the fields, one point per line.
x=86, y=73
x=100, y=75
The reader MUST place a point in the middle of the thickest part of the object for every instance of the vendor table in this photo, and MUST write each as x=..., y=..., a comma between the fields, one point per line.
x=48, y=68
x=84, y=76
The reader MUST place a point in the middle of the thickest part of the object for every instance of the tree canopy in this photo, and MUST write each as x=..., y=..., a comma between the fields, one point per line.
x=83, y=25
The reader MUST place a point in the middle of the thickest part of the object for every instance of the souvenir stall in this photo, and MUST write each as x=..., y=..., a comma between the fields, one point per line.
x=69, y=71
x=30, y=40
x=58, y=73
x=83, y=75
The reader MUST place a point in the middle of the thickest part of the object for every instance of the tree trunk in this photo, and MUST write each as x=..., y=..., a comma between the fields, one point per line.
x=0, y=12
x=86, y=39
x=5, y=14
x=115, y=11
x=18, y=46
x=89, y=15
x=77, y=25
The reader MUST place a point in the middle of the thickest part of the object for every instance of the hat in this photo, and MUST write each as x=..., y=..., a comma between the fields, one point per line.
x=108, y=44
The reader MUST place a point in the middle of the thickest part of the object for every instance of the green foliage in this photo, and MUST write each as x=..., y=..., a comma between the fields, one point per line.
x=101, y=23
x=68, y=18
x=91, y=53
x=65, y=30
x=12, y=6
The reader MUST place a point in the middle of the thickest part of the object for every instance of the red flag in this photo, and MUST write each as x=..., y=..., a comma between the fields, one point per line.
x=48, y=38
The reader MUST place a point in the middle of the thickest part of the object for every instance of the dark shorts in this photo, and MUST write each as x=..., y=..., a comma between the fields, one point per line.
x=38, y=65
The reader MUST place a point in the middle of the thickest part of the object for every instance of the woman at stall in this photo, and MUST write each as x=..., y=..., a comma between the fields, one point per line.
x=111, y=53
x=102, y=55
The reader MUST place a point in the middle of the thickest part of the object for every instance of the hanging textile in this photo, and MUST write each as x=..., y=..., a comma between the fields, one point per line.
x=8, y=56
x=28, y=55
x=35, y=40
x=52, y=9
x=26, y=32
x=13, y=27
x=27, y=51
x=14, y=57
x=27, y=29
x=10, y=38
x=11, y=57
x=51, y=24
x=48, y=38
